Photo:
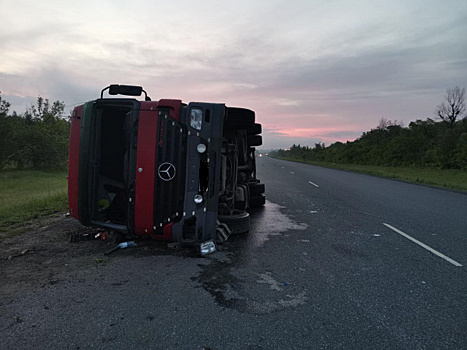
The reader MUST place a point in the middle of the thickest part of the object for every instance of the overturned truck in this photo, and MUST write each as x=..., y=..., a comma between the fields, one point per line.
x=173, y=171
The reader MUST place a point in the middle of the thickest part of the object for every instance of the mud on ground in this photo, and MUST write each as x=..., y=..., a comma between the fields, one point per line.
x=42, y=254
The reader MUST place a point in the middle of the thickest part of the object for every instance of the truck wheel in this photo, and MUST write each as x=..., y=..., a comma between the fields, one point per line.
x=254, y=140
x=255, y=129
x=257, y=201
x=239, y=118
x=238, y=223
x=256, y=189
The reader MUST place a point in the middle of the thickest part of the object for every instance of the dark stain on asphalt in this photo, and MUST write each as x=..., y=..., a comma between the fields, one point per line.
x=241, y=251
x=216, y=278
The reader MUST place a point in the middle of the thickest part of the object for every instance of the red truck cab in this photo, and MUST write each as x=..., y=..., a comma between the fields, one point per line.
x=169, y=170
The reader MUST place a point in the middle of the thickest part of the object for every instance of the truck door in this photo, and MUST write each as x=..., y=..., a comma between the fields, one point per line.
x=145, y=168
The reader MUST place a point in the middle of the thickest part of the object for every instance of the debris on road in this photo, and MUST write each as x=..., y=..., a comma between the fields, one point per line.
x=23, y=252
x=104, y=235
x=121, y=246
x=88, y=236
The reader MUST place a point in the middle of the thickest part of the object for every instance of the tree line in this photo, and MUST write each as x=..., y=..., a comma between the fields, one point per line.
x=424, y=143
x=38, y=138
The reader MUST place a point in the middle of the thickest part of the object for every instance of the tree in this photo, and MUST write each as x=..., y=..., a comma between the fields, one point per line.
x=384, y=124
x=36, y=139
x=44, y=111
x=4, y=132
x=454, y=105
x=48, y=135
x=4, y=106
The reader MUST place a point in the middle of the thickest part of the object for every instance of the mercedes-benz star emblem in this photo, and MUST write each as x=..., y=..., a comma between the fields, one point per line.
x=167, y=171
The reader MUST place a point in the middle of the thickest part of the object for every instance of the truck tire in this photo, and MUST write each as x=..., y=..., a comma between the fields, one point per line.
x=238, y=223
x=256, y=189
x=239, y=118
x=257, y=201
x=256, y=129
x=254, y=140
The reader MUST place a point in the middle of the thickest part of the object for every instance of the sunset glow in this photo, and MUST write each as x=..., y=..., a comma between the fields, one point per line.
x=313, y=71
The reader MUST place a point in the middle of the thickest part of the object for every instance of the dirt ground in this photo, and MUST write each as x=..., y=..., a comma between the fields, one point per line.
x=43, y=252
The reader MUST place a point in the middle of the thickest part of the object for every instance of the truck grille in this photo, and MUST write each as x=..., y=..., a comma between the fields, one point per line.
x=169, y=190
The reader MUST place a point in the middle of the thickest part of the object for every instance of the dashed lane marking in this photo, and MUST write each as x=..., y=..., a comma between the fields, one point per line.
x=455, y=263
x=313, y=184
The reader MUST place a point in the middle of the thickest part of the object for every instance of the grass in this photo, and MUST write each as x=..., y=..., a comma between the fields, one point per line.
x=454, y=179
x=30, y=194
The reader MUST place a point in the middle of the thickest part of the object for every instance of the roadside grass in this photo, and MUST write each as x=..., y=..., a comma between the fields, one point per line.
x=30, y=194
x=454, y=179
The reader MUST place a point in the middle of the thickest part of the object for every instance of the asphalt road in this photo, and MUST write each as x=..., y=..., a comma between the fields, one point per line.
x=335, y=260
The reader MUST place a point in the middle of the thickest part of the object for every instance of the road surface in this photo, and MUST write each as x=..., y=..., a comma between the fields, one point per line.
x=335, y=260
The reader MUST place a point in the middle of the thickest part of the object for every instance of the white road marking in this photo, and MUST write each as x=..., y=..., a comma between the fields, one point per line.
x=455, y=263
x=313, y=184
x=292, y=172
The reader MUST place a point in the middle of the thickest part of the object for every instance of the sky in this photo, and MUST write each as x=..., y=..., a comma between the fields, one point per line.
x=313, y=71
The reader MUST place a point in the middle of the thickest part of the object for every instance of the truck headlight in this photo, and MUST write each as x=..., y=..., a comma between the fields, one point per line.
x=198, y=198
x=196, y=118
x=201, y=148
